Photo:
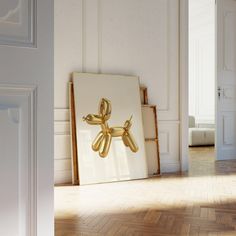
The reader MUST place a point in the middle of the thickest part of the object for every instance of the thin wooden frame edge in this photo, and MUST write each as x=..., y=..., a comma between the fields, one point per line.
x=74, y=151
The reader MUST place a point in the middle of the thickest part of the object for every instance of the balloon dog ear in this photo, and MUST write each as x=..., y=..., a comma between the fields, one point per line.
x=105, y=108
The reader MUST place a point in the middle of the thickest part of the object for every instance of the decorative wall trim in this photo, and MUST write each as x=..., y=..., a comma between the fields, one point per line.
x=167, y=48
x=62, y=128
x=94, y=60
x=62, y=154
x=24, y=98
x=83, y=36
x=166, y=141
x=21, y=32
x=167, y=108
x=100, y=44
x=166, y=122
x=63, y=177
x=61, y=114
x=170, y=167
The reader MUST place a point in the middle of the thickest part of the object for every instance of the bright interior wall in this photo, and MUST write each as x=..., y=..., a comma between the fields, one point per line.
x=202, y=60
x=127, y=37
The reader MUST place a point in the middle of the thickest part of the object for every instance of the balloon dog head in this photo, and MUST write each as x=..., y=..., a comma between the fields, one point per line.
x=102, y=142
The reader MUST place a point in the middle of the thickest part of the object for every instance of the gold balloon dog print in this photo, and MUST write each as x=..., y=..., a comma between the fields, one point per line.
x=102, y=142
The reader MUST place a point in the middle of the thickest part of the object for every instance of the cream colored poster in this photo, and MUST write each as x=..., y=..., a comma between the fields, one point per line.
x=109, y=128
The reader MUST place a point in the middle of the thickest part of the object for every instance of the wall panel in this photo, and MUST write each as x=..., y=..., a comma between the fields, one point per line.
x=68, y=53
x=62, y=148
x=169, y=146
x=131, y=37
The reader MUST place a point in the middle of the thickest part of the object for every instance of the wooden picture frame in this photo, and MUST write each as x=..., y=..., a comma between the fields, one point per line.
x=91, y=168
x=144, y=95
x=152, y=146
x=154, y=137
x=148, y=140
x=74, y=151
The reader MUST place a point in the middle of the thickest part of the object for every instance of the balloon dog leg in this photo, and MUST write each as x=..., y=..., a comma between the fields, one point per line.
x=129, y=141
x=97, y=141
x=105, y=145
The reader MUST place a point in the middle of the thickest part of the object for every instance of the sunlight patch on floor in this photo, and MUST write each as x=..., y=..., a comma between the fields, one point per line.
x=164, y=193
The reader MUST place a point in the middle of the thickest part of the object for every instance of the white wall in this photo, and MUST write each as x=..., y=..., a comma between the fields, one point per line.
x=202, y=60
x=131, y=37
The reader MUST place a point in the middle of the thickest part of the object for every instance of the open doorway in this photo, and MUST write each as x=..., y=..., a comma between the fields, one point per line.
x=201, y=85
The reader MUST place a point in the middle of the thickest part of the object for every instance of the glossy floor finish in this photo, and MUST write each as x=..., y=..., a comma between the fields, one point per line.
x=200, y=203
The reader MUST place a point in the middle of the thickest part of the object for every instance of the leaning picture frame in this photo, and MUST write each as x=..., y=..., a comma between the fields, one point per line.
x=120, y=94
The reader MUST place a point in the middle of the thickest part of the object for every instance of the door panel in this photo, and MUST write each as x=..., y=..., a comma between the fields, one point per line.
x=18, y=161
x=10, y=195
x=226, y=79
x=17, y=22
x=26, y=117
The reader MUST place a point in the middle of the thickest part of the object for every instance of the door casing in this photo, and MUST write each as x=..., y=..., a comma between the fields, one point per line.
x=184, y=83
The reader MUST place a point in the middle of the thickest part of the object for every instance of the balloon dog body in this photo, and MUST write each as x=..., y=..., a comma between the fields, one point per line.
x=102, y=142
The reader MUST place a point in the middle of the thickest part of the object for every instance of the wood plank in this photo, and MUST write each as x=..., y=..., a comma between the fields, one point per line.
x=173, y=204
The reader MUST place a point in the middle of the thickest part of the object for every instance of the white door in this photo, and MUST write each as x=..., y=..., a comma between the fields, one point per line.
x=26, y=117
x=226, y=80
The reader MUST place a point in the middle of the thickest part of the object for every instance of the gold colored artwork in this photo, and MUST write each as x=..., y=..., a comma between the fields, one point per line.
x=102, y=142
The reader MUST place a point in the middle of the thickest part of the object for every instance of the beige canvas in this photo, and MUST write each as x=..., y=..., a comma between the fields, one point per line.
x=121, y=163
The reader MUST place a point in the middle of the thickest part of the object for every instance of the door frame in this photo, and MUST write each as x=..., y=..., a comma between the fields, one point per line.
x=184, y=83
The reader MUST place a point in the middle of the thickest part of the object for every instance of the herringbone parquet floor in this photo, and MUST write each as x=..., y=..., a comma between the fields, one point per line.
x=200, y=203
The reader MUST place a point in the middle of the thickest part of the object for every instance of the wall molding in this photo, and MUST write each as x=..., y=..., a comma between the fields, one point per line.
x=83, y=20
x=96, y=20
x=170, y=167
x=166, y=134
x=61, y=128
x=62, y=154
x=100, y=43
x=167, y=108
x=61, y=114
x=167, y=48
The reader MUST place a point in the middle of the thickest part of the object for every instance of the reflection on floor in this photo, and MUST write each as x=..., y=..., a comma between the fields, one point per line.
x=201, y=203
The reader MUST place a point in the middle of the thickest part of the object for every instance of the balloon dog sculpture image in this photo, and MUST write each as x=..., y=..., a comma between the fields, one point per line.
x=103, y=140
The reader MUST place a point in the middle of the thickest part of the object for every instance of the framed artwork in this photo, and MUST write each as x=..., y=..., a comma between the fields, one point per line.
x=109, y=128
x=151, y=138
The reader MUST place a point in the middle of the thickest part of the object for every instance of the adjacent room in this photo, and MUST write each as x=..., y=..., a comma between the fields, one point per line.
x=202, y=84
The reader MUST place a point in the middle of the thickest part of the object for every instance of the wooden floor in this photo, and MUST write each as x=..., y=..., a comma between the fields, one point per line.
x=200, y=203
